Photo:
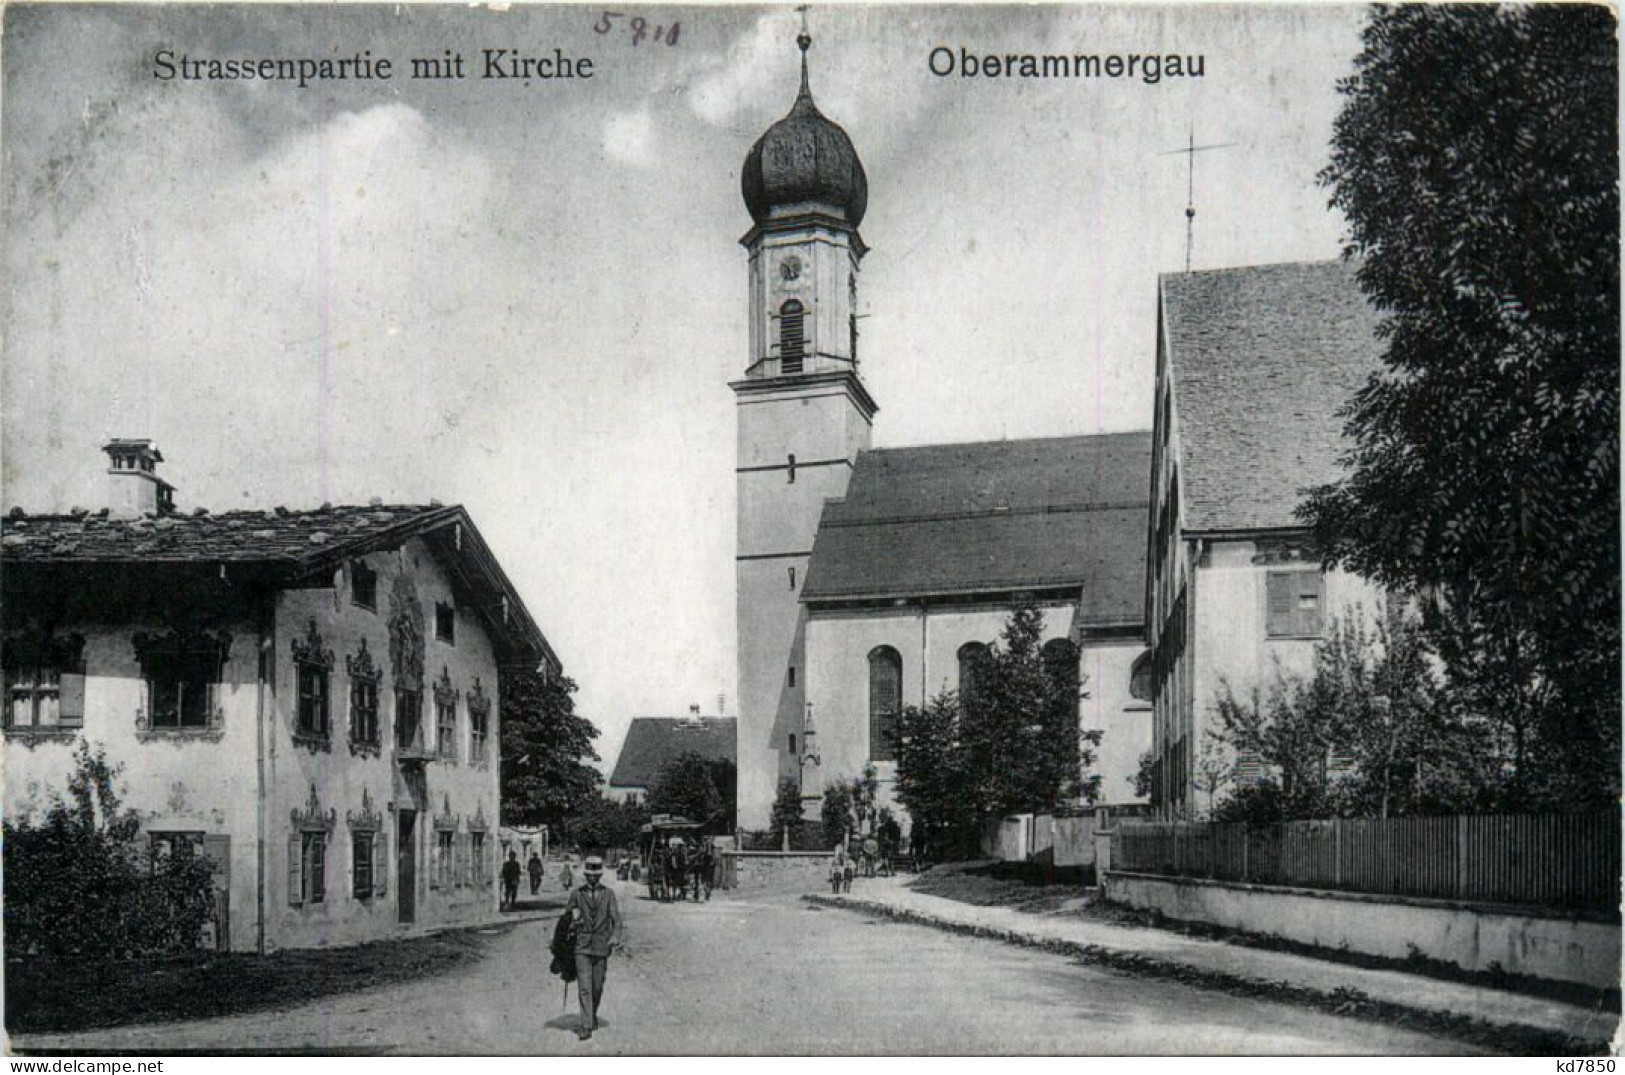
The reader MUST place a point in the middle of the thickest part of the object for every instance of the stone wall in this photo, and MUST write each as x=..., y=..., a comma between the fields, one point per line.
x=760, y=869
x=1475, y=937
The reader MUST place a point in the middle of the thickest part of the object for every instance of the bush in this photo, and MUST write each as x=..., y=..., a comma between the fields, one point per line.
x=79, y=884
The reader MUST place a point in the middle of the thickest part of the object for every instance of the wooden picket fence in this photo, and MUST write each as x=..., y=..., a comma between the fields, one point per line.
x=1551, y=860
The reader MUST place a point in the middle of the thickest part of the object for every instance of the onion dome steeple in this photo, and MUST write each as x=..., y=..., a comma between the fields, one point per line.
x=804, y=157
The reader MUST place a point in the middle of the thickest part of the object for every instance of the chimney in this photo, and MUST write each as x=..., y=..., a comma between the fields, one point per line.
x=133, y=486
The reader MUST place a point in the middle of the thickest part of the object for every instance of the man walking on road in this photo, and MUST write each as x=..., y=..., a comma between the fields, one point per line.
x=510, y=881
x=598, y=933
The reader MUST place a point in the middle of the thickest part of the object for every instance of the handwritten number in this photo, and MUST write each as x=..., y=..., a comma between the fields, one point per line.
x=640, y=28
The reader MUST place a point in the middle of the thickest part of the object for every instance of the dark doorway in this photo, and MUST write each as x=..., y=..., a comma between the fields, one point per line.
x=406, y=856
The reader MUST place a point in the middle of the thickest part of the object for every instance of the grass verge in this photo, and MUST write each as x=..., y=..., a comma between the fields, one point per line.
x=62, y=997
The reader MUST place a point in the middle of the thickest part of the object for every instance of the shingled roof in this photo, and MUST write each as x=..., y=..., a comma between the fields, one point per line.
x=651, y=742
x=1261, y=360
x=281, y=546
x=963, y=519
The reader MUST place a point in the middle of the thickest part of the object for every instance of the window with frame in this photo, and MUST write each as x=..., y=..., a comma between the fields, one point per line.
x=479, y=722
x=1293, y=601
x=314, y=856
x=313, y=664
x=361, y=846
x=408, y=717
x=183, y=672
x=445, y=857
x=44, y=682
x=363, y=586
x=445, y=716
x=446, y=728
x=480, y=869
x=445, y=622
x=307, y=852
x=885, y=701
x=368, y=858
x=364, y=711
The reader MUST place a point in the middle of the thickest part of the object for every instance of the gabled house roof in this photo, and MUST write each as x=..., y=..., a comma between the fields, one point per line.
x=651, y=742
x=1262, y=358
x=989, y=517
x=281, y=548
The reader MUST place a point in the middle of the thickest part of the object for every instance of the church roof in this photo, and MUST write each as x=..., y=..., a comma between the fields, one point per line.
x=651, y=742
x=963, y=519
x=1261, y=359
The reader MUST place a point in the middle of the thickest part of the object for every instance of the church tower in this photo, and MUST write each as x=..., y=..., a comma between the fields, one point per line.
x=803, y=417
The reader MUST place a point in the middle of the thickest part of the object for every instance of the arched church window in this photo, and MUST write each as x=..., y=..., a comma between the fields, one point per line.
x=1060, y=659
x=885, y=701
x=792, y=336
x=971, y=656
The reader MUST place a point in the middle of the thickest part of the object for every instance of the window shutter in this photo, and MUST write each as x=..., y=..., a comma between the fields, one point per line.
x=71, y=705
x=380, y=863
x=461, y=858
x=296, y=875
x=1308, y=601
x=435, y=865
x=1281, y=595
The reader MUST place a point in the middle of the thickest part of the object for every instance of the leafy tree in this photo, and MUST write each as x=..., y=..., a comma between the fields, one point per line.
x=932, y=777
x=684, y=787
x=81, y=883
x=1144, y=779
x=546, y=746
x=786, y=815
x=1020, y=725
x=602, y=823
x=836, y=814
x=1366, y=734
x=1011, y=745
x=725, y=778
x=889, y=832
x=1475, y=161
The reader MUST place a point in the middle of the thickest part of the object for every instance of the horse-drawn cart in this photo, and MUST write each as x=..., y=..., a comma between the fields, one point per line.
x=677, y=857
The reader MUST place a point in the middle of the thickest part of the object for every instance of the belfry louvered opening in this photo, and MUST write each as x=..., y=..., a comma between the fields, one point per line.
x=792, y=336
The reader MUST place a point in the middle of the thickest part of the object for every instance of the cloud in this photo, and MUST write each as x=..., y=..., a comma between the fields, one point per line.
x=750, y=69
x=629, y=137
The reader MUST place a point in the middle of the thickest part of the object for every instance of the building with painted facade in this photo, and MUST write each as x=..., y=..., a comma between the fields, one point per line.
x=308, y=697
x=1252, y=367
x=865, y=577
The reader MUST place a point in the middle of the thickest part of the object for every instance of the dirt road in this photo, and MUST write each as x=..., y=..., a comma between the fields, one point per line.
x=769, y=974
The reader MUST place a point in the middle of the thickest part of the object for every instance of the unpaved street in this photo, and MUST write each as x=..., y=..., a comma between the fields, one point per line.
x=769, y=974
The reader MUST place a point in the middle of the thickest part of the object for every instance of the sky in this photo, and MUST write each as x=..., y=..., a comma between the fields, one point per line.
x=528, y=297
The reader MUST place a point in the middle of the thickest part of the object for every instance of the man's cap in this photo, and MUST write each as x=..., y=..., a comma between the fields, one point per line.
x=594, y=864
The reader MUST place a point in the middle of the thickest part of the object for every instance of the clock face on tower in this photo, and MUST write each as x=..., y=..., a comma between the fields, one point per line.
x=790, y=269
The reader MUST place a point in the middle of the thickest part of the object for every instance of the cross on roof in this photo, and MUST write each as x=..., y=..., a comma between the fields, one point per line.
x=1189, y=152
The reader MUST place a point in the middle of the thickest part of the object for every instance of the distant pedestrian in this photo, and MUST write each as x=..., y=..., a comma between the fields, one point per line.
x=510, y=881
x=837, y=870
x=567, y=876
x=598, y=932
x=536, y=869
